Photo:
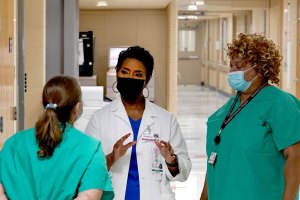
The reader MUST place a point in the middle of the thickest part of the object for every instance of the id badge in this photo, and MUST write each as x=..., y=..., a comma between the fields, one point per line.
x=157, y=167
x=157, y=171
x=212, y=158
x=148, y=135
x=148, y=138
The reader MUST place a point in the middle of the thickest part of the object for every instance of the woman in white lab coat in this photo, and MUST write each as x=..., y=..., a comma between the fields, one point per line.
x=143, y=143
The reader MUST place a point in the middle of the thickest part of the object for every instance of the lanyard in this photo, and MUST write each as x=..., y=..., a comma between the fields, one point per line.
x=230, y=116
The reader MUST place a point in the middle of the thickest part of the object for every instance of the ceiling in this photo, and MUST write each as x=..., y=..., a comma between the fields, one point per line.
x=212, y=5
x=125, y=4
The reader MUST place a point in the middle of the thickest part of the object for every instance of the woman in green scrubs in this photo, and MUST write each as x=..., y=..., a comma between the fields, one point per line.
x=253, y=144
x=54, y=160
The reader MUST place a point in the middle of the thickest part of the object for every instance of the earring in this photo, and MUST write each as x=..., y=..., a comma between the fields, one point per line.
x=114, y=87
x=146, y=96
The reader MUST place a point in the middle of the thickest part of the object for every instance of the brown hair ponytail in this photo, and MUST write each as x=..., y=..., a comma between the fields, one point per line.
x=60, y=96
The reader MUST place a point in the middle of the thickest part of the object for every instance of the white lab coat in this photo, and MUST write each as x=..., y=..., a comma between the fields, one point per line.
x=111, y=122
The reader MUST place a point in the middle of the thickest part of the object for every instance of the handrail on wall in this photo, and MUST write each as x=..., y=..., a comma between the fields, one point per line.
x=189, y=58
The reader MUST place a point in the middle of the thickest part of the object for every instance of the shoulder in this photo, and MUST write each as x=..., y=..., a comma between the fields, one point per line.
x=106, y=109
x=81, y=138
x=222, y=111
x=79, y=143
x=103, y=110
x=21, y=136
x=159, y=111
x=19, y=139
x=280, y=97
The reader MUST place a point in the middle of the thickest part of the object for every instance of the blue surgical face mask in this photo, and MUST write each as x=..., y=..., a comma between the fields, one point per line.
x=237, y=80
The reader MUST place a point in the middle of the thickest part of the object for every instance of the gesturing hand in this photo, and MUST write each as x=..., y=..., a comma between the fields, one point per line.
x=120, y=149
x=166, y=150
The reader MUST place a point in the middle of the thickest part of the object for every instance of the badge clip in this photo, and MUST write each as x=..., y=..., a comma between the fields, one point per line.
x=212, y=158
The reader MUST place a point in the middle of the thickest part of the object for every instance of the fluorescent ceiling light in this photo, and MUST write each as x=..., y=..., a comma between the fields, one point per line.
x=192, y=7
x=199, y=3
x=101, y=4
x=186, y=17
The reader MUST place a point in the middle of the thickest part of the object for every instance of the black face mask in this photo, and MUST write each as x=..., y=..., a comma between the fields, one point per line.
x=130, y=88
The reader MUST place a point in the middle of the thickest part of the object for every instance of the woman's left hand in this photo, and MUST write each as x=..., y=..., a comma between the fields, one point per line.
x=166, y=151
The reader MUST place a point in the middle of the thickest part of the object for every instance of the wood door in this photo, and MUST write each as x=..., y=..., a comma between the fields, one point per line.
x=7, y=72
x=298, y=53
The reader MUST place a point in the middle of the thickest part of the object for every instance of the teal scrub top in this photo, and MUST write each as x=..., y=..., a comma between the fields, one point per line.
x=77, y=164
x=250, y=163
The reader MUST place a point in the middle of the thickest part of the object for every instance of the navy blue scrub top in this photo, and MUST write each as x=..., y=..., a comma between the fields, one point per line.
x=133, y=183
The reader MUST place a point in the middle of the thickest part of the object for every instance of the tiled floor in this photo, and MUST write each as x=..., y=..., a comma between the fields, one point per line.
x=195, y=104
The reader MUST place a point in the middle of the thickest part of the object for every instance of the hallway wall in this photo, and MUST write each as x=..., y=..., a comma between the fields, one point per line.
x=34, y=59
x=289, y=78
x=210, y=49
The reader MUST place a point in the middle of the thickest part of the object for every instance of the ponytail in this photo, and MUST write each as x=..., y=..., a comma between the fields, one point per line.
x=48, y=133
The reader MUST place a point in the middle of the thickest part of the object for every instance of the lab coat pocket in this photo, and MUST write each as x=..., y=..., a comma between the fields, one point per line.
x=167, y=196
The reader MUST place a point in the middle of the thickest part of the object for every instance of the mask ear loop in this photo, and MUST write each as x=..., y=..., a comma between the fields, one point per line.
x=248, y=70
x=254, y=78
x=114, y=87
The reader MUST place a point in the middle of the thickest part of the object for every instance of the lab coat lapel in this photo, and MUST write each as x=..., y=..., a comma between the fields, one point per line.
x=119, y=110
x=148, y=118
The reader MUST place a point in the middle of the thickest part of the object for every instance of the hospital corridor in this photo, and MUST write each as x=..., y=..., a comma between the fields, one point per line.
x=227, y=72
x=195, y=105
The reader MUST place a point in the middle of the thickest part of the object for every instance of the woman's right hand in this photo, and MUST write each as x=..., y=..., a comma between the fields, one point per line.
x=119, y=150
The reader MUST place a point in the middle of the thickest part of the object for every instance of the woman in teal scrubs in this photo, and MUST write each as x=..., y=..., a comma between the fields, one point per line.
x=253, y=144
x=54, y=160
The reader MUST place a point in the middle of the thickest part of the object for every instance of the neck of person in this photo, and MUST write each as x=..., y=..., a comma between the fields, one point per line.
x=72, y=119
x=135, y=108
x=259, y=81
x=137, y=103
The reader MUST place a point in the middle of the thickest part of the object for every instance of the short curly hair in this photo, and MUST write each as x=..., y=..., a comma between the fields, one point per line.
x=258, y=50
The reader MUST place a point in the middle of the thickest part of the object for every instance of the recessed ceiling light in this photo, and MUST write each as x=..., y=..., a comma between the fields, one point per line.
x=102, y=3
x=199, y=3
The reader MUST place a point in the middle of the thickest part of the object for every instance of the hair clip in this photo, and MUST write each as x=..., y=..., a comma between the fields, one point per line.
x=51, y=106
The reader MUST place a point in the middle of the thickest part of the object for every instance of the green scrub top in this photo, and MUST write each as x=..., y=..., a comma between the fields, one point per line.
x=77, y=164
x=249, y=163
